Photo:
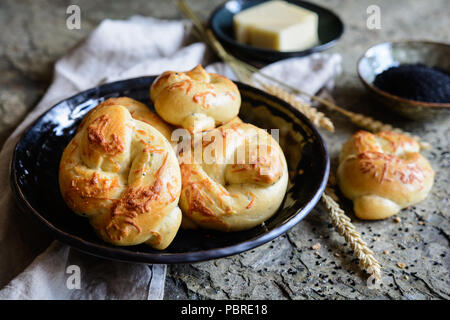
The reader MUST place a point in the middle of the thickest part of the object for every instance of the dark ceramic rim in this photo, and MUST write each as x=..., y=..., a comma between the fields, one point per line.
x=222, y=37
x=122, y=254
x=412, y=103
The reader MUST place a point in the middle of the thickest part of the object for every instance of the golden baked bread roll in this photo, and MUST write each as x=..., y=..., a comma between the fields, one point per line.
x=195, y=100
x=237, y=183
x=383, y=173
x=124, y=176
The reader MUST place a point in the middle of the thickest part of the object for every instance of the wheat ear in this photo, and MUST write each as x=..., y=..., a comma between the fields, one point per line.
x=361, y=120
x=317, y=118
x=346, y=229
x=375, y=126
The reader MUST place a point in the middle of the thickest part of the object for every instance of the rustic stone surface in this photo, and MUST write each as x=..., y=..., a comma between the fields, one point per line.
x=287, y=267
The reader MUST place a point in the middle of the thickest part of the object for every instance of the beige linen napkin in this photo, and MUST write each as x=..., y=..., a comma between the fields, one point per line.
x=115, y=50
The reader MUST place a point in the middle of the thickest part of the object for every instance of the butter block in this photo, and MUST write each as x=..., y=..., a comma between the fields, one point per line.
x=277, y=25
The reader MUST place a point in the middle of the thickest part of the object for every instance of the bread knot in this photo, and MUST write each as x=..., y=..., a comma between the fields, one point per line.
x=239, y=181
x=195, y=100
x=122, y=173
x=383, y=173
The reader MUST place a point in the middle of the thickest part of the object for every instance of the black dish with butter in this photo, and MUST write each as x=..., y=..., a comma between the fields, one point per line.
x=330, y=31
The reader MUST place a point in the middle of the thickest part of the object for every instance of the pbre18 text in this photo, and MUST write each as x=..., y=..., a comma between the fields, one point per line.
x=242, y=309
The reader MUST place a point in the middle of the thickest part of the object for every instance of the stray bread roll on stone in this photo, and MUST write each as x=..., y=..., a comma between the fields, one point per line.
x=195, y=100
x=239, y=182
x=383, y=173
x=123, y=175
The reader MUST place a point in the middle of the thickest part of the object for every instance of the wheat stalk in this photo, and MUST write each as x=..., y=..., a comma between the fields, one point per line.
x=359, y=119
x=345, y=228
x=377, y=126
x=317, y=118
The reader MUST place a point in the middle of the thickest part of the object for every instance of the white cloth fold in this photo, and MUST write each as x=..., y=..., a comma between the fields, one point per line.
x=115, y=50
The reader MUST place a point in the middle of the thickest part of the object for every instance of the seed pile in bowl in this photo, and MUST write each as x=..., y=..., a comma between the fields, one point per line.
x=416, y=82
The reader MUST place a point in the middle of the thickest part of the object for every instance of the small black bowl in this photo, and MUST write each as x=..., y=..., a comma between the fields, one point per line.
x=35, y=163
x=383, y=56
x=331, y=29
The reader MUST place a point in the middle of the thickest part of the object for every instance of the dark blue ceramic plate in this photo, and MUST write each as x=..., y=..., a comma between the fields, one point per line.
x=331, y=29
x=35, y=162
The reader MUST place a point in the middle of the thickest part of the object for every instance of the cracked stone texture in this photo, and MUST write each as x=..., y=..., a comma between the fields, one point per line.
x=287, y=267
